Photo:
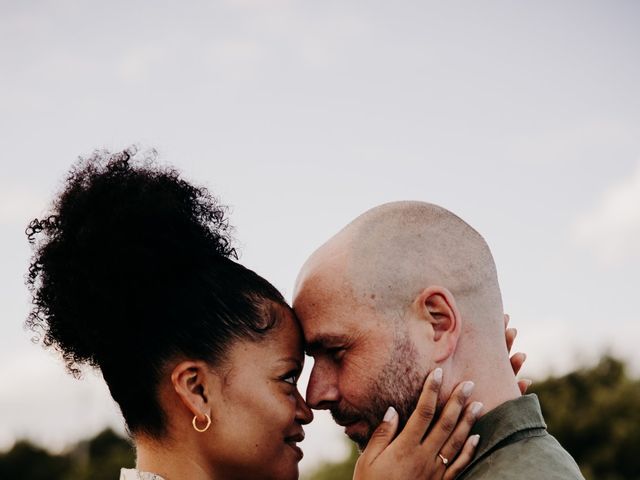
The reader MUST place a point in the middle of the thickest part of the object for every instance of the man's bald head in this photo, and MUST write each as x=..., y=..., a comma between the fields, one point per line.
x=390, y=253
x=404, y=288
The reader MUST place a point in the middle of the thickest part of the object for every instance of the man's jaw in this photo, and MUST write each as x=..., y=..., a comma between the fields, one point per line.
x=356, y=428
x=360, y=429
x=360, y=432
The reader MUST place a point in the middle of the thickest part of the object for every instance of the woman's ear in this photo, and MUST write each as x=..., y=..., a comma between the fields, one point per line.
x=191, y=382
x=437, y=306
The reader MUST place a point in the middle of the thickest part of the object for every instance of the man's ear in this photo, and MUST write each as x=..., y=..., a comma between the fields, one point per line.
x=437, y=306
x=191, y=381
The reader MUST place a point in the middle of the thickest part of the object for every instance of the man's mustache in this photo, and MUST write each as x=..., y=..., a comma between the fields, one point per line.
x=344, y=416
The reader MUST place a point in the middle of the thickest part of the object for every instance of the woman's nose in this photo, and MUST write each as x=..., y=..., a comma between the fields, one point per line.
x=304, y=415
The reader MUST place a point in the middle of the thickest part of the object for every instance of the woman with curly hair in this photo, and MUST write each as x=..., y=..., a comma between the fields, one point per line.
x=134, y=273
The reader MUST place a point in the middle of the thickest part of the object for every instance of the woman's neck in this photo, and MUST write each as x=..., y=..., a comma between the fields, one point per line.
x=173, y=462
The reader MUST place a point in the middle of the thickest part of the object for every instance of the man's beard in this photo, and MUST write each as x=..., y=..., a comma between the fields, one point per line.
x=398, y=385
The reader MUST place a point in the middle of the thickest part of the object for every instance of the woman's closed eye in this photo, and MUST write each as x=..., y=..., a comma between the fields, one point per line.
x=292, y=378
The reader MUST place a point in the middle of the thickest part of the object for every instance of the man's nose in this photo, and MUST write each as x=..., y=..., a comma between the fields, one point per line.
x=322, y=390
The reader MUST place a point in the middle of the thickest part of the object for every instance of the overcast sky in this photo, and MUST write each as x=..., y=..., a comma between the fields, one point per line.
x=521, y=117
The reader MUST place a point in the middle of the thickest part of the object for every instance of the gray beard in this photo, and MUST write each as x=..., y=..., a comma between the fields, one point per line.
x=399, y=385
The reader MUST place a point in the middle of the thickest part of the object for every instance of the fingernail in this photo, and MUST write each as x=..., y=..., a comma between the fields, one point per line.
x=437, y=375
x=475, y=439
x=528, y=382
x=467, y=388
x=475, y=408
x=390, y=414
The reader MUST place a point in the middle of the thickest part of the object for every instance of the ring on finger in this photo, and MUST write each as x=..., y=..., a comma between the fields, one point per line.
x=445, y=460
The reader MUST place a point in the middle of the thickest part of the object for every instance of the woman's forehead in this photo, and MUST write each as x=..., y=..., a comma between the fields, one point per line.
x=287, y=334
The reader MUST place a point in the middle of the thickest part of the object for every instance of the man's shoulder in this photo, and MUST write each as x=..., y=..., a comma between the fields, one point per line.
x=537, y=456
x=514, y=443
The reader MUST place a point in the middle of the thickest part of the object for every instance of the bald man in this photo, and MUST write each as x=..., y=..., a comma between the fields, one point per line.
x=403, y=289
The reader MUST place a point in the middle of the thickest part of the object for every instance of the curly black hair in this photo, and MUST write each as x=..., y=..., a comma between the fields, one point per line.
x=134, y=266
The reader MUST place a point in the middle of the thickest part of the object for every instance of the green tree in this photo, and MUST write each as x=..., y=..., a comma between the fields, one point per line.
x=97, y=459
x=100, y=458
x=28, y=462
x=595, y=414
x=339, y=470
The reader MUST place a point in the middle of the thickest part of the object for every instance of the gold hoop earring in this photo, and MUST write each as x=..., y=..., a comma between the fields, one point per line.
x=206, y=427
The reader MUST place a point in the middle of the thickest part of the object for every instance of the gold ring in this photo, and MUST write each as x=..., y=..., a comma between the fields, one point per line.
x=444, y=460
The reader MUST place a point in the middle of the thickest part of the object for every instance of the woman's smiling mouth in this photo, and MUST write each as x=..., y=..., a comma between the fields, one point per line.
x=292, y=442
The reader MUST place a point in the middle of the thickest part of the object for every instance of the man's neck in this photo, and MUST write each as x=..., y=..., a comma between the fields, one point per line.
x=493, y=387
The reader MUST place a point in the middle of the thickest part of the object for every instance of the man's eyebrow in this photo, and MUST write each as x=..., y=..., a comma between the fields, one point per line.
x=323, y=342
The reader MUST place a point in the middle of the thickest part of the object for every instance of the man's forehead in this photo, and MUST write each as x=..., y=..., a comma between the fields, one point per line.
x=326, y=263
x=326, y=313
x=324, y=285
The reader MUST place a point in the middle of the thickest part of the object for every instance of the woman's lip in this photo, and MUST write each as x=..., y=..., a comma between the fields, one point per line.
x=298, y=437
x=296, y=449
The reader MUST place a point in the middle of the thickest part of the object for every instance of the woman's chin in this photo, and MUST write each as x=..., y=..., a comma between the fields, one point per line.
x=289, y=469
x=288, y=473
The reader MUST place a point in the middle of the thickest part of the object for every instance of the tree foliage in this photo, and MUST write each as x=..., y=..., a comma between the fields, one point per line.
x=97, y=459
x=595, y=414
x=338, y=470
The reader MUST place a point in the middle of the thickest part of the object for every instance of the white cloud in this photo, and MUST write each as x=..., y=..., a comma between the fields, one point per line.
x=612, y=228
x=19, y=205
x=237, y=55
x=253, y=4
x=42, y=402
x=137, y=63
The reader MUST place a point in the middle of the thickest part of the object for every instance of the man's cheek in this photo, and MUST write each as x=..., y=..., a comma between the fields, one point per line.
x=360, y=370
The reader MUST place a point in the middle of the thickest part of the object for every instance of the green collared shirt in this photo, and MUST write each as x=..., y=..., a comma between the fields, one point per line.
x=514, y=443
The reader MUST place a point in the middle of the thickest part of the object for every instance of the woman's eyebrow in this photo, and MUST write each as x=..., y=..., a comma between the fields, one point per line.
x=292, y=360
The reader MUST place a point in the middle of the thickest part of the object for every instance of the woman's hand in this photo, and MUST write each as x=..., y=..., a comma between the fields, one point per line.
x=442, y=453
x=518, y=358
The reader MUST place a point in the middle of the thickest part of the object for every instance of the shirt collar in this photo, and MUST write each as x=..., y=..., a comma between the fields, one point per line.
x=523, y=413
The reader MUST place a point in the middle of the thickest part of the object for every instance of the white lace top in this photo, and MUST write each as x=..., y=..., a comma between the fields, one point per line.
x=133, y=474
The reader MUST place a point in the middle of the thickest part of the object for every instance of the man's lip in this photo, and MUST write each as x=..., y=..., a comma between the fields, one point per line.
x=348, y=428
x=348, y=423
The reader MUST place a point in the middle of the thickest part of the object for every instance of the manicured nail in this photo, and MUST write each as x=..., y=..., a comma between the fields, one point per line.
x=475, y=408
x=474, y=440
x=437, y=375
x=467, y=388
x=390, y=414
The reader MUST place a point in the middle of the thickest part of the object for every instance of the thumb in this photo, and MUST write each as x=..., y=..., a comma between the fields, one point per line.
x=382, y=436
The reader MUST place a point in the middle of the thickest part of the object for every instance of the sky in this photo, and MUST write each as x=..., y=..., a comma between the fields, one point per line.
x=521, y=117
